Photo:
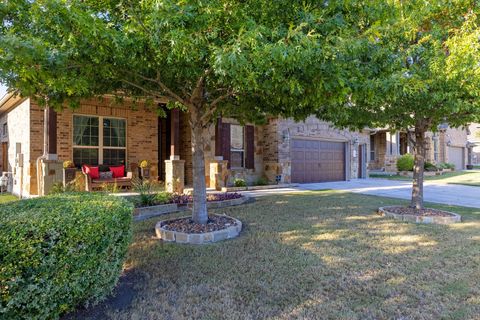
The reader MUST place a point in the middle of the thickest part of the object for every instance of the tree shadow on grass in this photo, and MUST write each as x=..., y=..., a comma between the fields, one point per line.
x=313, y=255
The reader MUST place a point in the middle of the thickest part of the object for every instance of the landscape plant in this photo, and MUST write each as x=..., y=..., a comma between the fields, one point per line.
x=405, y=162
x=59, y=252
x=238, y=182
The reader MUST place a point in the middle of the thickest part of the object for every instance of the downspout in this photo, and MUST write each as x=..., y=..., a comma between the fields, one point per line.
x=44, y=156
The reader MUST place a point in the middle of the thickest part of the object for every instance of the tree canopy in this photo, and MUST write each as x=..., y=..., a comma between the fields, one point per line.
x=418, y=61
x=255, y=57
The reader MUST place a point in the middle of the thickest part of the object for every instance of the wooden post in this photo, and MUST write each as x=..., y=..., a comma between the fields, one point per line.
x=51, y=133
x=175, y=135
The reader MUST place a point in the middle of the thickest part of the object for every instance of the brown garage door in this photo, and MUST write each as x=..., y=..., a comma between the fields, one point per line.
x=317, y=161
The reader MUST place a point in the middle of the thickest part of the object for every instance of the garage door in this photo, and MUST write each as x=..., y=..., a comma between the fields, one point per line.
x=457, y=157
x=317, y=161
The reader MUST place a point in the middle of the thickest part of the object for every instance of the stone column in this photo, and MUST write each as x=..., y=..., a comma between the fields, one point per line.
x=175, y=174
x=174, y=167
x=51, y=169
x=218, y=173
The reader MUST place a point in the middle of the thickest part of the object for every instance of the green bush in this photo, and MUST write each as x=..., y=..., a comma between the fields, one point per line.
x=446, y=165
x=60, y=251
x=239, y=182
x=405, y=162
x=262, y=181
x=428, y=166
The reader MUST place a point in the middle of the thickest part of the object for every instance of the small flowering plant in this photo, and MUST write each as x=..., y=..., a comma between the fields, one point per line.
x=68, y=164
x=144, y=164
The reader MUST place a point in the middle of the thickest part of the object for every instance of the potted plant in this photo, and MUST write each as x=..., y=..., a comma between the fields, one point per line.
x=144, y=167
x=69, y=172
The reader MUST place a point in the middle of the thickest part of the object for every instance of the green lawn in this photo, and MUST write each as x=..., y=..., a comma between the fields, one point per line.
x=6, y=197
x=469, y=178
x=315, y=255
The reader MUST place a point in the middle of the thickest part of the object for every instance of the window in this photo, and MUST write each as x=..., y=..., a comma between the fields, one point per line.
x=99, y=140
x=237, y=146
x=5, y=129
x=372, y=147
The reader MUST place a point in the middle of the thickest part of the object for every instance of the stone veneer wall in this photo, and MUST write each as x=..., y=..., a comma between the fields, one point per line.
x=142, y=130
x=18, y=125
x=284, y=130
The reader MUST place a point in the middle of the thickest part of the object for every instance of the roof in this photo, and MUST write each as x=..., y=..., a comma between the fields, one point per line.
x=9, y=101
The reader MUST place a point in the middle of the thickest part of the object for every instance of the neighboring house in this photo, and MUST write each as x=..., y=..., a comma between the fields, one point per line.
x=446, y=145
x=474, y=141
x=101, y=132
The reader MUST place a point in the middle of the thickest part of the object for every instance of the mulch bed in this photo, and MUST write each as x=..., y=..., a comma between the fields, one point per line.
x=427, y=212
x=187, y=225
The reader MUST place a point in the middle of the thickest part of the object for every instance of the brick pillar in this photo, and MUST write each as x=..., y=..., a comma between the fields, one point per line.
x=218, y=173
x=174, y=167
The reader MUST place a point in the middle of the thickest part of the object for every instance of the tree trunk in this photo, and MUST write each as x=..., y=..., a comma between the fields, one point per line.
x=199, y=213
x=418, y=168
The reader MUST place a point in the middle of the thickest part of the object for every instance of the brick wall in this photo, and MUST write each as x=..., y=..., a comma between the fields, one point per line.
x=142, y=131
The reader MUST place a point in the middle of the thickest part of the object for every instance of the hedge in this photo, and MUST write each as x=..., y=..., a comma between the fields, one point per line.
x=60, y=251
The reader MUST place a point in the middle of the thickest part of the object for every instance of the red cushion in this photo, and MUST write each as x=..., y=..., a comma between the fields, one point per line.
x=118, y=171
x=93, y=172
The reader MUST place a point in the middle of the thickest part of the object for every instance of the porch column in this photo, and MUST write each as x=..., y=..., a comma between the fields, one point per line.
x=51, y=134
x=218, y=166
x=174, y=167
x=51, y=169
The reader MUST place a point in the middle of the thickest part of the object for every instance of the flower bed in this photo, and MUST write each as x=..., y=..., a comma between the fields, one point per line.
x=142, y=213
x=427, y=215
x=163, y=198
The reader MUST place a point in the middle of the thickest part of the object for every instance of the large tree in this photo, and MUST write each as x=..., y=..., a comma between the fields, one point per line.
x=414, y=66
x=246, y=59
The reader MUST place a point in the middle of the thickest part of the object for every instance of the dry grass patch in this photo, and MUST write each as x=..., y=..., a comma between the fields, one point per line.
x=315, y=255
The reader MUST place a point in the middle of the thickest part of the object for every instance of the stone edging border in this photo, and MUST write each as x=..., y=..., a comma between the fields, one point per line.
x=197, y=238
x=253, y=188
x=144, y=213
x=419, y=219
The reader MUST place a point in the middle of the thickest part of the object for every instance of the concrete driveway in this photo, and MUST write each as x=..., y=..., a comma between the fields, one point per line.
x=434, y=191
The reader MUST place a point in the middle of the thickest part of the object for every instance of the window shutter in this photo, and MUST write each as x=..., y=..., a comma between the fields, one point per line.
x=250, y=147
x=226, y=142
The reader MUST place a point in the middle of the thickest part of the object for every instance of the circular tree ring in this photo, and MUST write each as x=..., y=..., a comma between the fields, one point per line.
x=446, y=217
x=229, y=231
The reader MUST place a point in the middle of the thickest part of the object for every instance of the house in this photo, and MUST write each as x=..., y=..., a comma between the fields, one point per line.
x=102, y=132
x=447, y=145
x=474, y=143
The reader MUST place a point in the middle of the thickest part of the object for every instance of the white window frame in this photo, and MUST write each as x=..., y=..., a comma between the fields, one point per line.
x=100, y=146
x=238, y=150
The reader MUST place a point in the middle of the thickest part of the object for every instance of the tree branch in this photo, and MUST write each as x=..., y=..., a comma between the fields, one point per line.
x=166, y=89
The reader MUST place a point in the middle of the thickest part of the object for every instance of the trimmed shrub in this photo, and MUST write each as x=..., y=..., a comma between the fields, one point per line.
x=446, y=165
x=405, y=162
x=262, y=181
x=239, y=182
x=60, y=251
x=428, y=166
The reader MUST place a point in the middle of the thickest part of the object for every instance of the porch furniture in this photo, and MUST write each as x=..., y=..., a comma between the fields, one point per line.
x=96, y=178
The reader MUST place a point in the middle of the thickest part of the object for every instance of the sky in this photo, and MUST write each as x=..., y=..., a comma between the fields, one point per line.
x=3, y=90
